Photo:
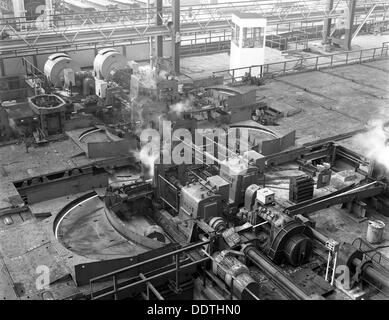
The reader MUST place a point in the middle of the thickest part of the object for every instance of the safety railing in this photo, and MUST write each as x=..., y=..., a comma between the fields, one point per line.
x=373, y=253
x=117, y=288
x=219, y=41
x=380, y=262
x=205, y=44
x=278, y=69
x=297, y=34
x=202, y=247
x=32, y=71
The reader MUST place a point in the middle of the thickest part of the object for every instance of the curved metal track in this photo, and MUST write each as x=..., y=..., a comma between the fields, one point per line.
x=258, y=128
x=83, y=227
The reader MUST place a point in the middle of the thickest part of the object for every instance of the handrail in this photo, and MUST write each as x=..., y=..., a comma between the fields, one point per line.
x=146, y=280
x=166, y=255
x=176, y=253
x=284, y=70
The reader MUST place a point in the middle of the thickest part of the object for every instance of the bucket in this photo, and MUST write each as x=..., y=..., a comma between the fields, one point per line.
x=375, y=231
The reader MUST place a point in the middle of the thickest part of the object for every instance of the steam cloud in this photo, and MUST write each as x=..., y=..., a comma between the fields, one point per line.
x=375, y=142
x=180, y=107
x=148, y=155
x=147, y=75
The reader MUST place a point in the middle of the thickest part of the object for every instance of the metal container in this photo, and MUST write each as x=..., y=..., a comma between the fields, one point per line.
x=375, y=231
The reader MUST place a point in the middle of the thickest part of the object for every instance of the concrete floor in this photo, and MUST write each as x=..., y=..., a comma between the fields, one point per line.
x=200, y=66
x=333, y=101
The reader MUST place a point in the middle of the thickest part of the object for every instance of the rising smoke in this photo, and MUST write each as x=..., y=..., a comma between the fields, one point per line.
x=375, y=142
x=147, y=76
x=180, y=107
x=148, y=156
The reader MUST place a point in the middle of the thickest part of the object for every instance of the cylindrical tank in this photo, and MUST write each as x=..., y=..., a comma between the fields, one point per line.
x=55, y=66
x=235, y=274
x=375, y=231
x=107, y=62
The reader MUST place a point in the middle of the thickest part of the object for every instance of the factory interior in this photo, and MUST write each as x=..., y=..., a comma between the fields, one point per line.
x=194, y=150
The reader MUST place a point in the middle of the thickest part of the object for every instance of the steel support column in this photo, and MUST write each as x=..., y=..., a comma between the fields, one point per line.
x=2, y=68
x=327, y=22
x=159, y=42
x=35, y=60
x=176, y=38
x=349, y=24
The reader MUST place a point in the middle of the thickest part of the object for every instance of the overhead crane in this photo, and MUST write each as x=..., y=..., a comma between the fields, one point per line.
x=88, y=30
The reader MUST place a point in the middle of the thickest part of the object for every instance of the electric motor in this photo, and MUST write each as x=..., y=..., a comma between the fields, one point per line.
x=55, y=66
x=107, y=62
x=235, y=274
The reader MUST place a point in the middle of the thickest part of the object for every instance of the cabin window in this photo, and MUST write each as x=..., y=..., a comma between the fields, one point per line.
x=253, y=37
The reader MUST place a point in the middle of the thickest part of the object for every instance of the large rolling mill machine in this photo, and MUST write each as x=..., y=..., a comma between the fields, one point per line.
x=230, y=227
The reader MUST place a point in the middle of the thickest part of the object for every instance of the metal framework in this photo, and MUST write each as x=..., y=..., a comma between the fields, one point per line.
x=177, y=267
x=70, y=31
x=117, y=287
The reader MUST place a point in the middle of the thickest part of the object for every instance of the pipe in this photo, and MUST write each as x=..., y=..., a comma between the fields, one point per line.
x=369, y=272
x=176, y=42
x=327, y=22
x=274, y=273
x=319, y=236
x=212, y=294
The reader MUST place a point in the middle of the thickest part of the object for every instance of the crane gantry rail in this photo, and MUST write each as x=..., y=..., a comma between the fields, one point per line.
x=83, y=30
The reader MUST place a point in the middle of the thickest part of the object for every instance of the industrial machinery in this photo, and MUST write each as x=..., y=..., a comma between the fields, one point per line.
x=50, y=109
x=289, y=239
x=61, y=70
x=113, y=222
x=216, y=199
x=215, y=230
x=246, y=225
x=109, y=66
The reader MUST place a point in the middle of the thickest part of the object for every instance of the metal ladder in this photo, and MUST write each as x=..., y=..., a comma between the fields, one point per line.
x=333, y=248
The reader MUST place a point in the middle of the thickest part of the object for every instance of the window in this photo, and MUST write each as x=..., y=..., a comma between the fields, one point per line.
x=235, y=34
x=253, y=37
